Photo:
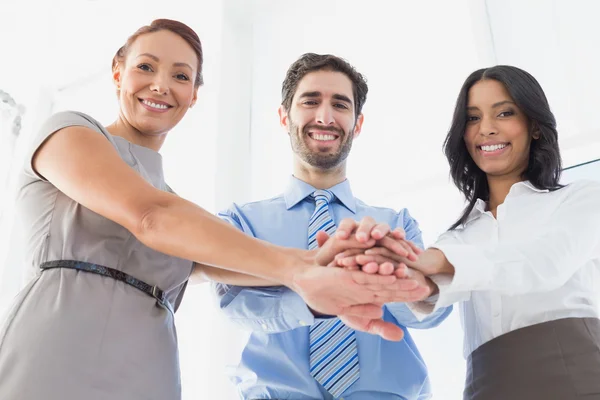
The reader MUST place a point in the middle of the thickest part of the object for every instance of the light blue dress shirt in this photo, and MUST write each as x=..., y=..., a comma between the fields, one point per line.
x=275, y=362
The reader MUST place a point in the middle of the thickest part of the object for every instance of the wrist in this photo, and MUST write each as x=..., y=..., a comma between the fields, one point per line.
x=434, y=289
x=442, y=265
x=292, y=267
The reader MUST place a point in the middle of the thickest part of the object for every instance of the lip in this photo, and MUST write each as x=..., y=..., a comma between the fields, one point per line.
x=495, y=152
x=317, y=132
x=147, y=107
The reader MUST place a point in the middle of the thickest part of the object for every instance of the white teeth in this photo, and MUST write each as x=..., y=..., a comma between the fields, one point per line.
x=323, y=137
x=493, y=147
x=158, y=106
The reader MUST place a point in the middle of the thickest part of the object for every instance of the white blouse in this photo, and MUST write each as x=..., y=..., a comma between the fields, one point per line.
x=538, y=261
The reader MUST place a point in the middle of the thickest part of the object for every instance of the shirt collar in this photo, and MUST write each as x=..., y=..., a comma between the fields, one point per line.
x=297, y=190
x=515, y=190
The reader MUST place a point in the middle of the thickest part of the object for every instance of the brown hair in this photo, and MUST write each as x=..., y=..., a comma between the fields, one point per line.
x=179, y=28
x=311, y=62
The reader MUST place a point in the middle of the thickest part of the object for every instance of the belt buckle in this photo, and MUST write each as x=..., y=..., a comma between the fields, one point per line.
x=156, y=293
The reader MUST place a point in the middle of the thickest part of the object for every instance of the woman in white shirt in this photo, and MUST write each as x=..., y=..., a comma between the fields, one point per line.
x=524, y=257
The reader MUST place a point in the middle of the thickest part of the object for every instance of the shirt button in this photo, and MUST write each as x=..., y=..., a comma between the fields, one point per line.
x=302, y=323
x=264, y=326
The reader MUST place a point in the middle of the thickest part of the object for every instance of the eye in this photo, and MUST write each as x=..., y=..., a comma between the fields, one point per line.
x=506, y=113
x=310, y=103
x=341, y=105
x=472, y=118
x=145, y=67
x=182, y=77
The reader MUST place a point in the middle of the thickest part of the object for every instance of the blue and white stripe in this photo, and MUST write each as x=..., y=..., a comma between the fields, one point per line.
x=333, y=350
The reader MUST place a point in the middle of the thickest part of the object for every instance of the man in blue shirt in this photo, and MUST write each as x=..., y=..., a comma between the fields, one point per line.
x=322, y=98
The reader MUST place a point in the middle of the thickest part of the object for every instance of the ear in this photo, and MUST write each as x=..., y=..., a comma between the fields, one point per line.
x=283, y=117
x=358, y=126
x=194, y=98
x=535, y=131
x=116, y=75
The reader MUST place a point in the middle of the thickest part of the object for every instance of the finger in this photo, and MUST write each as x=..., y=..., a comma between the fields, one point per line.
x=363, y=233
x=322, y=237
x=348, y=262
x=387, y=330
x=398, y=234
x=393, y=245
x=334, y=246
x=364, y=311
x=363, y=259
x=380, y=230
x=401, y=271
x=349, y=253
x=383, y=252
x=386, y=268
x=374, y=326
x=371, y=268
x=374, y=279
x=415, y=248
x=417, y=293
x=345, y=228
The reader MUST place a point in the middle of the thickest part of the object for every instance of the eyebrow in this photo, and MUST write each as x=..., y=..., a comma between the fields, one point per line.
x=177, y=64
x=495, y=105
x=336, y=96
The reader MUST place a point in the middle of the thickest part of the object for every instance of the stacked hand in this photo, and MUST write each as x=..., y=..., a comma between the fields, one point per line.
x=374, y=266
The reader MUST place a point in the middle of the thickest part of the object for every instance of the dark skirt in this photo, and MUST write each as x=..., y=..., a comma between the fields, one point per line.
x=555, y=360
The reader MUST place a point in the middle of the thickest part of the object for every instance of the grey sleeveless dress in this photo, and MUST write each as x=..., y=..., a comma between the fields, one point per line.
x=74, y=335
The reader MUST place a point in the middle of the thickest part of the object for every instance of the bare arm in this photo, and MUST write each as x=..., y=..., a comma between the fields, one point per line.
x=83, y=165
x=205, y=273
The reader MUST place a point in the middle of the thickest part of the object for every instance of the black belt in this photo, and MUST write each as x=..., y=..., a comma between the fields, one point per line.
x=151, y=290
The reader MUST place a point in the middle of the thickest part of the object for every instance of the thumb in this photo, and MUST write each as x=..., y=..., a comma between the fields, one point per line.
x=322, y=237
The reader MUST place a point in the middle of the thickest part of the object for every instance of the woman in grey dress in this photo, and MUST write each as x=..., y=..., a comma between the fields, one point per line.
x=108, y=245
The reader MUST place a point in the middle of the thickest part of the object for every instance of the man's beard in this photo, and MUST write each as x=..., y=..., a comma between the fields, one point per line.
x=320, y=160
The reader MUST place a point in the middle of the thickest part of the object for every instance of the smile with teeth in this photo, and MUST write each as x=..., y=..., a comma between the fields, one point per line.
x=493, y=147
x=322, y=137
x=157, y=106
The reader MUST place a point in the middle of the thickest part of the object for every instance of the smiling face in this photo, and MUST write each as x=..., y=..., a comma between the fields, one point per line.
x=321, y=120
x=155, y=82
x=497, y=135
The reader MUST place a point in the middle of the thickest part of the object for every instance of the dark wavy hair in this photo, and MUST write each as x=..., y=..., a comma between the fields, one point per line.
x=545, y=165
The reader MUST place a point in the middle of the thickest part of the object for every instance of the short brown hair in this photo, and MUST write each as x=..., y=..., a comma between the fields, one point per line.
x=311, y=62
x=179, y=28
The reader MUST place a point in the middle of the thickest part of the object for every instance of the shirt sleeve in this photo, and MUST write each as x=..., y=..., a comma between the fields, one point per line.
x=52, y=125
x=265, y=309
x=410, y=314
x=538, y=264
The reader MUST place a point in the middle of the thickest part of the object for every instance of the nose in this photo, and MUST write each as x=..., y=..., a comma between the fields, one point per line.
x=487, y=127
x=160, y=84
x=325, y=115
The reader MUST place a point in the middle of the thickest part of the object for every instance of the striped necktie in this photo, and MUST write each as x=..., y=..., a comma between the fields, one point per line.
x=333, y=351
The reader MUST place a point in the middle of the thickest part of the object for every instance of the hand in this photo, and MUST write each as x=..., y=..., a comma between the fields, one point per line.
x=368, y=229
x=386, y=330
x=430, y=262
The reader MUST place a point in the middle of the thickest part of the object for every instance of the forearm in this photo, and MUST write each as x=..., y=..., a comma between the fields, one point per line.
x=206, y=273
x=180, y=228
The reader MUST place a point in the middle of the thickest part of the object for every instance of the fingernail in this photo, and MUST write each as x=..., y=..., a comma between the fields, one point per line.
x=361, y=236
x=341, y=233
